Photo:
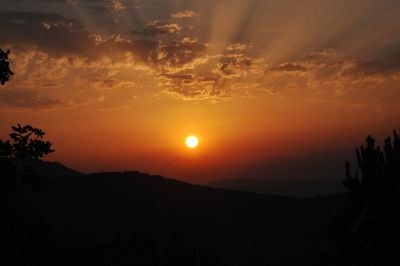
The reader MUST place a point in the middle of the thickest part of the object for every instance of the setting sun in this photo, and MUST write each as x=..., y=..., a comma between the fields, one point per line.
x=192, y=142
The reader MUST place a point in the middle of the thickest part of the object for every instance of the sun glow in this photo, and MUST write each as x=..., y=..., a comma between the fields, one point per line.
x=192, y=142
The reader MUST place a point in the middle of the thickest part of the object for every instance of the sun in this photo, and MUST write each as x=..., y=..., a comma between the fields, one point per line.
x=192, y=142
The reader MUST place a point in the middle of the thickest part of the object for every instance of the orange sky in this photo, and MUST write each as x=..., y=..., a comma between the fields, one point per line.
x=117, y=85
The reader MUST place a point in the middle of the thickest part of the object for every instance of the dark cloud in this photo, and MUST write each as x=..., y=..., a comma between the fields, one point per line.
x=50, y=33
x=184, y=64
x=233, y=66
x=388, y=64
x=116, y=6
x=288, y=67
x=17, y=17
x=52, y=1
x=60, y=37
x=68, y=42
x=44, y=1
x=334, y=78
x=190, y=86
x=157, y=28
x=28, y=99
x=236, y=63
x=328, y=63
x=180, y=54
x=237, y=47
x=229, y=75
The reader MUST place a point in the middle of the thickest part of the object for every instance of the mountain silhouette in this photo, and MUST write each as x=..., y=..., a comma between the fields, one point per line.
x=50, y=169
x=93, y=218
x=294, y=188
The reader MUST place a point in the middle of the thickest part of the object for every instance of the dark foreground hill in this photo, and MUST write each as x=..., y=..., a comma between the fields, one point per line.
x=138, y=219
x=293, y=188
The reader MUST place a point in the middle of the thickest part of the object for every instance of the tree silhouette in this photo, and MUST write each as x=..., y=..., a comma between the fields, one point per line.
x=380, y=170
x=368, y=224
x=5, y=71
x=26, y=143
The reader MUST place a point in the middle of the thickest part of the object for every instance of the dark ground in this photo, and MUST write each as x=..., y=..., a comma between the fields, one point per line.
x=138, y=219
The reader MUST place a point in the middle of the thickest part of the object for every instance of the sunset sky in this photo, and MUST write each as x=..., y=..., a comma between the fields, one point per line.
x=272, y=88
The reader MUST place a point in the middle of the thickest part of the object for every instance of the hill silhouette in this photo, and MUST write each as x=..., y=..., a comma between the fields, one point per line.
x=294, y=188
x=102, y=211
x=50, y=169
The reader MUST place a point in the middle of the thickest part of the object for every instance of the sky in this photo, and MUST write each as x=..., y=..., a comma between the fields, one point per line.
x=272, y=88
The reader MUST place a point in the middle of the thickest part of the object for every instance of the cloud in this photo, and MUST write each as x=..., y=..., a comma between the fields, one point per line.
x=237, y=47
x=73, y=54
x=52, y=53
x=288, y=67
x=51, y=33
x=27, y=99
x=227, y=76
x=236, y=64
x=110, y=83
x=60, y=37
x=157, y=28
x=327, y=76
x=184, y=14
x=50, y=50
x=233, y=67
x=180, y=55
x=116, y=6
x=386, y=65
x=190, y=86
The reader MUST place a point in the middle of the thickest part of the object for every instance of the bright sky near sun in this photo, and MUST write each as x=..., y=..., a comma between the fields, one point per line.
x=120, y=84
x=192, y=142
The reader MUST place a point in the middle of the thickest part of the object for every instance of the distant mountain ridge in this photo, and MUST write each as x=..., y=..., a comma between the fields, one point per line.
x=50, y=169
x=293, y=188
x=145, y=218
x=132, y=206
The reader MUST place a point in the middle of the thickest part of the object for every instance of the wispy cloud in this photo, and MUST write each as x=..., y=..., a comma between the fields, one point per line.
x=28, y=99
x=157, y=28
x=173, y=57
x=116, y=6
x=184, y=14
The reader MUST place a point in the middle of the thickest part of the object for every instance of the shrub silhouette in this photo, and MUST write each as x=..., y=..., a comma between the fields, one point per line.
x=368, y=224
x=5, y=71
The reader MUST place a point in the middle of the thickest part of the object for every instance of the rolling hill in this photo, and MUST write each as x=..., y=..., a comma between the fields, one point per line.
x=131, y=218
x=293, y=188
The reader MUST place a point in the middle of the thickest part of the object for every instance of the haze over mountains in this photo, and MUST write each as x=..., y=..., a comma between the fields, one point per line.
x=285, y=187
x=294, y=188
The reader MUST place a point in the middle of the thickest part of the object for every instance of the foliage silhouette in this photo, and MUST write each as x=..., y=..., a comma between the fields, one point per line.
x=5, y=71
x=368, y=223
x=25, y=143
x=380, y=170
